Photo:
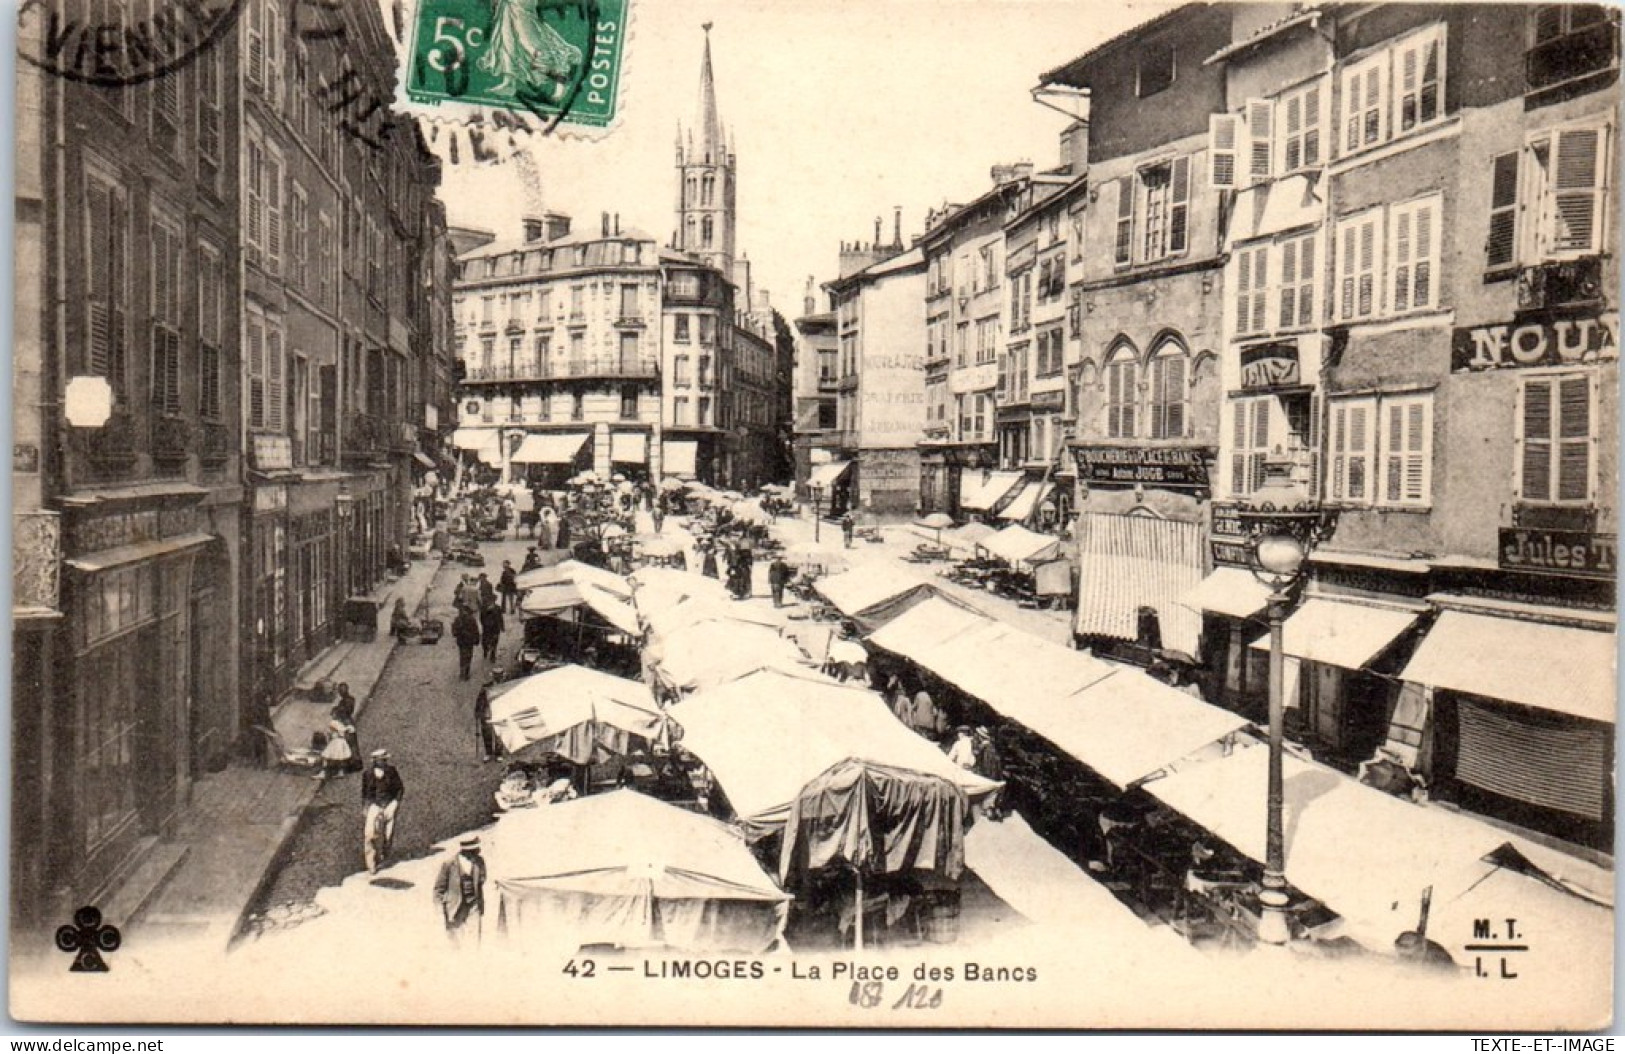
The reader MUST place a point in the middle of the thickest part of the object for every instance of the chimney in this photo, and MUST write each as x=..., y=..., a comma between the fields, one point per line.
x=1003, y=174
x=603, y=219
x=877, y=230
x=809, y=300
x=1075, y=148
x=897, y=227
x=555, y=225
x=617, y=223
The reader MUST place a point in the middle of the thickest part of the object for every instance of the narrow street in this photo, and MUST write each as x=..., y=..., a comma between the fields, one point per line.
x=423, y=715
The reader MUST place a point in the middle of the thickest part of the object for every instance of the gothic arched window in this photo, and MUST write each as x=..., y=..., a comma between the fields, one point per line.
x=706, y=230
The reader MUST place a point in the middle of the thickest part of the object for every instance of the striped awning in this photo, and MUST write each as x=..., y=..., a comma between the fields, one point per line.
x=824, y=476
x=1126, y=563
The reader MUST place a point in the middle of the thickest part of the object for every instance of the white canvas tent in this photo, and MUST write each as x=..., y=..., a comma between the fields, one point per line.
x=575, y=712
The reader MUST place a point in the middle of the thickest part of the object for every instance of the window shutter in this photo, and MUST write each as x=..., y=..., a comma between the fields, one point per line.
x=1289, y=288
x=1367, y=267
x=1418, y=464
x=256, y=375
x=1178, y=207
x=1222, y=131
x=1307, y=281
x=273, y=215
x=1125, y=220
x=256, y=199
x=1402, y=259
x=1173, y=369
x=1500, y=250
x=1574, y=439
x=174, y=365
x=1238, y=445
x=275, y=393
x=255, y=72
x=1396, y=452
x=1422, y=255
x=1358, y=443
x=99, y=302
x=1340, y=432
x=1345, y=306
x=1260, y=141
x=1261, y=266
x=1244, y=287
x=1311, y=127
x=1577, y=191
x=1537, y=440
x=1292, y=120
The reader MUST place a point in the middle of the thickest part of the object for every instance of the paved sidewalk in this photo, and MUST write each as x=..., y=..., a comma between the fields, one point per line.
x=230, y=837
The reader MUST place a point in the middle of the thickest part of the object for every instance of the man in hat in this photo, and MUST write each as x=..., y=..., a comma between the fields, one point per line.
x=490, y=745
x=459, y=889
x=990, y=766
x=381, y=794
x=465, y=630
x=533, y=560
x=508, y=586
x=491, y=626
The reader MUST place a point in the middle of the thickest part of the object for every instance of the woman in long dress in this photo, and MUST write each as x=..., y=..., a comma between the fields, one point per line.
x=525, y=51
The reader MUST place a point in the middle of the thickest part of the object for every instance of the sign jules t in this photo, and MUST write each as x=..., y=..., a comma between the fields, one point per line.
x=1537, y=342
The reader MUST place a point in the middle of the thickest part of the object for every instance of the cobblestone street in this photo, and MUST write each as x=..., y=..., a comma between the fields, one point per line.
x=423, y=715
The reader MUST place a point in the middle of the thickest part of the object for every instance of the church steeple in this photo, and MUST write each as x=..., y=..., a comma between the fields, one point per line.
x=705, y=178
x=712, y=148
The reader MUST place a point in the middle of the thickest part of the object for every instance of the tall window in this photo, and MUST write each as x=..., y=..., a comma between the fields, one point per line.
x=165, y=263
x=1051, y=352
x=708, y=330
x=1122, y=375
x=629, y=351
x=1252, y=289
x=1395, y=90
x=679, y=371
x=1156, y=201
x=1382, y=450
x=107, y=290
x=1168, y=392
x=707, y=229
x=1388, y=260
x=629, y=302
x=679, y=328
x=209, y=108
x=1298, y=279
x=578, y=406
x=1359, y=249
x=1569, y=189
x=679, y=410
x=298, y=236
x=1555, y=436
x=1568, y=41
x=705, y=371
x=578, y=301
x=1353, y=449
x=1298, y=114
x=704, y=417
x=629, y=402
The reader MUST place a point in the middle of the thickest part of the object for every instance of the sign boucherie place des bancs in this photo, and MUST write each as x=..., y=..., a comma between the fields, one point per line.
x=1126, y=466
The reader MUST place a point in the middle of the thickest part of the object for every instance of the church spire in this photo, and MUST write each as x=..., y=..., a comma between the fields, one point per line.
x=711, y=144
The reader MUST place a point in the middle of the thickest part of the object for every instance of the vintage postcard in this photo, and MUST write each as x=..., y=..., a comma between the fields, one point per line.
x=905, y=515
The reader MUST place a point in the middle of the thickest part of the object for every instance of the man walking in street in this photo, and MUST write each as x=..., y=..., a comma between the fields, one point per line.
x=508, y=586
x=488, y=592
x=465, y=630
x=381, y=794
x=847, y=528
x=490, y=746
x=491, y=626
x=459, y=889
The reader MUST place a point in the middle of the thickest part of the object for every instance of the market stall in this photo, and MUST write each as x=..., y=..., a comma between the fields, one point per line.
x=766, y=735
x=580, y=714
x=711, y=653
x=626, y=871
x=873, y=595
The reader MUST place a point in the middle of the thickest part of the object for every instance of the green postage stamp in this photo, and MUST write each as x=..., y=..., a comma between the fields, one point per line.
x=558, y=60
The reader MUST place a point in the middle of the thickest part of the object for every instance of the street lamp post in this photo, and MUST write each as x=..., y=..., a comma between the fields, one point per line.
x=1280, y=559
x=818, y=511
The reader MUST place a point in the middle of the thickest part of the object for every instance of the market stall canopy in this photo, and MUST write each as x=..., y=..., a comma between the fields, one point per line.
x=1129, y=563
x=1232, y=591
x=749, y=511
x=1031, y=496
x=815, y=556
x=574, y=712
x=1368, y=855
x=968, y=537
x=936, y=521
x=712, y=653
x=475, y=438
x=661, y=587
x=822, y=477
x=1342, y=633
x=576, y=571
x=691, y=611
x=549, y=448
x=981, y=497
x=564, y=596
x=625, y=870
x=767, y=735
x=1017, y=545
x=875, y=594
x=1561, y=669
x=876, y=819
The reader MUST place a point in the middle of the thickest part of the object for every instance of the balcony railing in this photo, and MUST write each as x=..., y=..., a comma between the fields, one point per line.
x=565, y=369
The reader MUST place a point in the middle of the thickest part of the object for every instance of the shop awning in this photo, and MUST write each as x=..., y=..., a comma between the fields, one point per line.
x=1016, y=544
x=1340, y=633
x=1229, y=591
x=568, y=595
x=628, y=448
x=765, y=736
x=138, y=551
x=1129, y=725
x=822, y=477
x=1031, y=496
x=678, y=457
x=923, y=627
x=1126, y=563
x=1558, y=668
x=549, y=448
x=988, y=493
x=423, y=459
x=968, y=536
x=1365, y=854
